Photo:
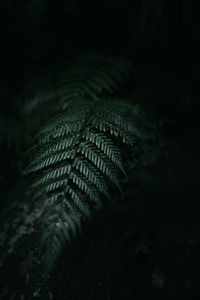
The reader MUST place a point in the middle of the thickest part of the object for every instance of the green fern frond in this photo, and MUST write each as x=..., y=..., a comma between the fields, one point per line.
x=99, y=160
x=88, y=76
x=79, y=201
x=93, y=175
x=77, y=169
x=56, y=232
x=50, y=174
x=77, y=157
x=105, y=144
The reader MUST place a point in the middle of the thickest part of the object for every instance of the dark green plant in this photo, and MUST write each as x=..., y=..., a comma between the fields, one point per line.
x=78, y=151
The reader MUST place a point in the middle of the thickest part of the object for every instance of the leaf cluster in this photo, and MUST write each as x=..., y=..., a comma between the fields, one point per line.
x=77, y=158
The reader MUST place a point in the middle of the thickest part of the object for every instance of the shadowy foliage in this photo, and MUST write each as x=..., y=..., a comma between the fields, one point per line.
x=75, y=112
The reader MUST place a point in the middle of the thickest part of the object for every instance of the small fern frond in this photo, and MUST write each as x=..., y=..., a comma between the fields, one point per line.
x=116, y=121
x=99, y=160
x=56, y=231
x=105, y=144
x=88, y=76
x=93, y=175
x=79, y=201
x=52, y=159
x=84, y=185
x=52, y=174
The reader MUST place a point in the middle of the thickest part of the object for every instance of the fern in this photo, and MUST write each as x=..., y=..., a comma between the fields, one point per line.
x=77, y=159
x=88, y=76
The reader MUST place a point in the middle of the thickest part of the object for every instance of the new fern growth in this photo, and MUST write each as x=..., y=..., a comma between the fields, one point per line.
x=77, y=157
x=91, y=75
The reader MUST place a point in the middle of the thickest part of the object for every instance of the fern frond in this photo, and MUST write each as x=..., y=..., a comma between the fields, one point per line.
x=56, y=232
x=59, y=131
x=115, y=120
x=52, y=174
x=88, y=76
x=93, y=175
x=99, y=160
x=84, y=185
x=77, y=157
x=80, y=201
x=75, y=168
x=105, y=144
x=52, y=159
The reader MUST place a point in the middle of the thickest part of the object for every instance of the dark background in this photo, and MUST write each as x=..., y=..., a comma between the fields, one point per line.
x=147, y=246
